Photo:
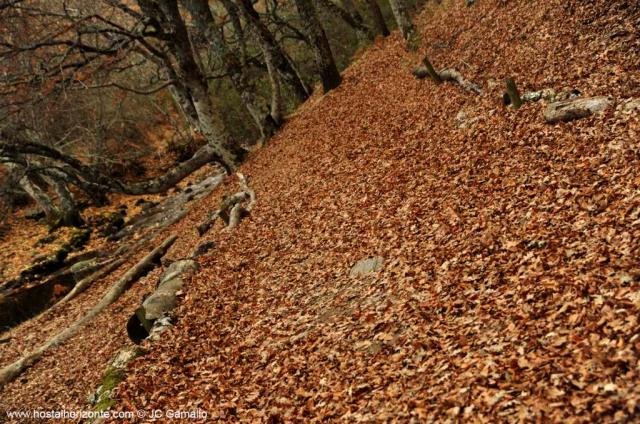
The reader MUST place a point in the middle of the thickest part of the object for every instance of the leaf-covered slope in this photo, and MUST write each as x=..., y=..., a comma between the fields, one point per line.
x=510, y=287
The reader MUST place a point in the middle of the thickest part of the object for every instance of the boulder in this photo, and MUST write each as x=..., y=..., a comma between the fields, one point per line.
x=569, y=110
x=158, y=304
x=366, y=266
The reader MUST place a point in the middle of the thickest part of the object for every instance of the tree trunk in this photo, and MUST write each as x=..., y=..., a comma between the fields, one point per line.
x=234, y=16
x=192, y=83
x=325, y=63
x=38, y=195
x=258, y=110
x=69, y=216
x=161, y=184
x=400, y=11
x=268, y=43
x=354, y=21
x=277, y=105
x=378, y=17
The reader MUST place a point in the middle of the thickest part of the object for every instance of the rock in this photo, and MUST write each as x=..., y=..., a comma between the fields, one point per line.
x=162, y=301
x=630, y=105
x=34, y=214
x=366, y=266
x=572, y=109
x=203, y=248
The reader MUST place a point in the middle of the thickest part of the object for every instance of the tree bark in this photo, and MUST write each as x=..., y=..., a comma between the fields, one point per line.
x=192, y=81
x=400, y=11
x=257, y=108
x=161, y=184
x=378, y=17
x=277, y=104
x=353, y=20
x=268, y=43
x=324, y=61
x=69, y=215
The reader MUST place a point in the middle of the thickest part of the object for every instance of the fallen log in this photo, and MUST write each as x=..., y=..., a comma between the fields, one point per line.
x=10, y=372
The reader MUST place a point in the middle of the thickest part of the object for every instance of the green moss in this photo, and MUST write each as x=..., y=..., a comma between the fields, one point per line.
x=110, y=380
x=79, y=237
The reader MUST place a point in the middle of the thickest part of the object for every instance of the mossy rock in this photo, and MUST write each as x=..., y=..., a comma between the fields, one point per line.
x=46, y=264
x=79, y=237
x=115, y=373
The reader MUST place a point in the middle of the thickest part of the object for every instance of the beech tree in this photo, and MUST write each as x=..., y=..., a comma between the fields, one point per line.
x=400, y=11
x=51, y=48
x=324, y=61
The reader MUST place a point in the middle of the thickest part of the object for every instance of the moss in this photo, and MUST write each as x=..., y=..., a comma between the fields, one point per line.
x=114, y=374
x=110, y=380
x=79, y=237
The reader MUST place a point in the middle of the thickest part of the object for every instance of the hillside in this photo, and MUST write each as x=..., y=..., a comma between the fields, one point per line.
x=510, y=281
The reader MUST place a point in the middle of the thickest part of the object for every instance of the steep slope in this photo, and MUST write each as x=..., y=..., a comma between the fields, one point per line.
x=511, y=276
x=509, y=288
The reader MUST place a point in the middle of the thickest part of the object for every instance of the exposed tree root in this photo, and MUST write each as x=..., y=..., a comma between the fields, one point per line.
x=448, y=74
x=108, y=266
x=232, y=209
x=10, y=372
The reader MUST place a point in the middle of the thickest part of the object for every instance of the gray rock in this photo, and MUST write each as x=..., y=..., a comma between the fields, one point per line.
x=569, y=110
x=631, y=105
x=366, y=266
x=163, y=300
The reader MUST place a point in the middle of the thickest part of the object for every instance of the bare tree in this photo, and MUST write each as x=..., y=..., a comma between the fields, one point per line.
x=378, y=17
x=325, y=64
x=400, y=11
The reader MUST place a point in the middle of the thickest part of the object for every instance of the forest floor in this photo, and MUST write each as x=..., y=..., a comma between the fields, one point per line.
x=510, y=287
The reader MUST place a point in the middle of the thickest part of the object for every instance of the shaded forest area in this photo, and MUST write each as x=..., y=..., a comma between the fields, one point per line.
x=110, y=101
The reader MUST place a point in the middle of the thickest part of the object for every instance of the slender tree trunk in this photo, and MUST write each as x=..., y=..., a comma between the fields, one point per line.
x=400, y=11
x=234, y=15
x=257, y=108
x=192, y=86
x=277, y=106
x=378, y=17
x=268, y=43
x=353, y=20
x=325, y=63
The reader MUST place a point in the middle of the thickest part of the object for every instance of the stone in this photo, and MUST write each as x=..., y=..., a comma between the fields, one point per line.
x=366, y=266
x=631, y=105
x=34, y=214
x=569, y=110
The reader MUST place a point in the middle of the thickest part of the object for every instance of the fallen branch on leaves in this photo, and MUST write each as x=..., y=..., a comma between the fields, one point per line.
x=107, y=268
x=448, y=74
x=10, y=372
x=232, y=208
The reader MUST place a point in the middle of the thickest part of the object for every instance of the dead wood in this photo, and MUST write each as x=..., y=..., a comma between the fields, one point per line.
x=448, y=74
x=232, y=208
x=10, y=372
